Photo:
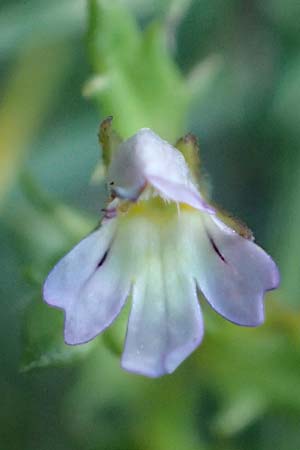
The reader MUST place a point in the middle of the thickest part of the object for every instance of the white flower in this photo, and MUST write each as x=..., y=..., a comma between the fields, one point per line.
x=159, y=242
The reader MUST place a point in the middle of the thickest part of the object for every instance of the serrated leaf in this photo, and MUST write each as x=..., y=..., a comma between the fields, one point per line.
x=43, y=343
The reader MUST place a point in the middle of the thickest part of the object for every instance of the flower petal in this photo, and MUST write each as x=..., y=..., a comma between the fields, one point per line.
x=146, y=158
x=180, y=193
x=90, y=285
x=234, y=273
x=165, y=323
x=74, y=269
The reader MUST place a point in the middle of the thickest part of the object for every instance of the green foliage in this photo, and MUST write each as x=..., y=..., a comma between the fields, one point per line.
x=240, y=389
x=139, y=83
x=42, y=339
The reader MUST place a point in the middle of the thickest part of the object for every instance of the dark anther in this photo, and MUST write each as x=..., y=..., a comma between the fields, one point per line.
x=111, y=183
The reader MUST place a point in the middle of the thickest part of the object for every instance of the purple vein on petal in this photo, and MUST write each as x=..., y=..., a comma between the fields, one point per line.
x=216, y=249
x=102, y=260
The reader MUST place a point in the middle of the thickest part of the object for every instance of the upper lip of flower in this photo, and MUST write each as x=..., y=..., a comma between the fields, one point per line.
x=135, y=166
x=161, y=252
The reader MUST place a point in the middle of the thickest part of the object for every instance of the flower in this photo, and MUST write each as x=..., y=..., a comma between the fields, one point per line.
x=159, y=241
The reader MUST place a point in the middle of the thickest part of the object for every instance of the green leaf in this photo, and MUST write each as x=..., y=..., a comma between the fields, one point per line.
x=114, y=336
x=239, y=411
x=141, y=86
x=265, y=361
x=108, y=139
x=43, y=343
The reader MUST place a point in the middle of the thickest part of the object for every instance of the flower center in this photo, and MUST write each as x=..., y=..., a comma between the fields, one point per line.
x=155, y=209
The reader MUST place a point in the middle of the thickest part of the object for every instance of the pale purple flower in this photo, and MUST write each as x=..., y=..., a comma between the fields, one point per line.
x=159, y=242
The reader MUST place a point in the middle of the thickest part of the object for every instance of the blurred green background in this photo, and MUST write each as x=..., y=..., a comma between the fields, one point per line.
x=228, y=71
